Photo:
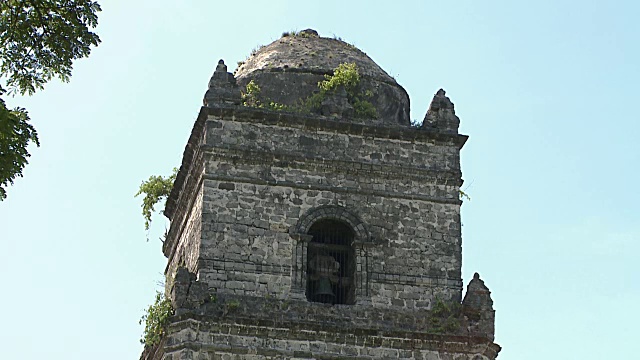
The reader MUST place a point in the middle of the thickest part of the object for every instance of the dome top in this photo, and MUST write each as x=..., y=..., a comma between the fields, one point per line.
x=288, y=71
x=306, y=51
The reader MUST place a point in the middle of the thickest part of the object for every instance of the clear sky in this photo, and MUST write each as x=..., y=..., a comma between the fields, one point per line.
x=545, y=89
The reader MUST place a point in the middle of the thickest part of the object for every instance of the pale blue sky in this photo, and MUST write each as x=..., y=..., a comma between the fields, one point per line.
x=546, y=90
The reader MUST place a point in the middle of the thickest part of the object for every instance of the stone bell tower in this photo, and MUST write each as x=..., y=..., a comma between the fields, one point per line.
x=318, y=223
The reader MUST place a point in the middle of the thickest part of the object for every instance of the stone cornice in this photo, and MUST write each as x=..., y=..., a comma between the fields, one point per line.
x=409, y=340
x=331, y=124
x=346, y=190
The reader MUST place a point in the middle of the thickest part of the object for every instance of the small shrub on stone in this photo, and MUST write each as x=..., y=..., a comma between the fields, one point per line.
x=344, y=76
x=156, y=320
x=230, y=306
x=156, y=189
x=445, y=317
x=302, y=34
x=289, y=33
x=277, y=106
x=251, y=98
x=364, y=109
x=347, y=76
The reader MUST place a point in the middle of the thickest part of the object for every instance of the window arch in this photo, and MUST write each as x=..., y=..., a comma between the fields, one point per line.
x=331, y=262
x=349, y=249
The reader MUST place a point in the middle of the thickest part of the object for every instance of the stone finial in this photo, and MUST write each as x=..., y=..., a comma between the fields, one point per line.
x=221, y=76
x=223, y=89
x=441, y=115
x=221, y=67
x=478, y=294
x=477, y=306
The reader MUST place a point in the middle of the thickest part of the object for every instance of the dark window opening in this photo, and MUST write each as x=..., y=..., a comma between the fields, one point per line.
x=331, y=263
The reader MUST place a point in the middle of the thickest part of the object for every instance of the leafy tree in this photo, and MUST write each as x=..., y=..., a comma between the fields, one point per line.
x=39, y=40
x=15, y=135
x=156, y=189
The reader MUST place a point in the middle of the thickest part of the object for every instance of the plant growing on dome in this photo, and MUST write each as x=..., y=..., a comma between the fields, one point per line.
x=251, y=98
x=346, y=76
x=304, y=33
x=289, y=33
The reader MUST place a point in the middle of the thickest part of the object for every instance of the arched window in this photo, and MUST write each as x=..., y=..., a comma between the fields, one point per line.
x=331, y=263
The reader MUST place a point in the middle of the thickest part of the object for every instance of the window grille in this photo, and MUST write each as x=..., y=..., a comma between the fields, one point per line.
x=330, y=263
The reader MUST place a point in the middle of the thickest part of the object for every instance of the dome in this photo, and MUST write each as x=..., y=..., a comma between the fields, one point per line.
x=288, y=71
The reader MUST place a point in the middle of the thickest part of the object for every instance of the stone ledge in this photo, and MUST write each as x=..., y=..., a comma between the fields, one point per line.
x=344, y=190
x=303, y=333
x=334, y=320
x=324, y=123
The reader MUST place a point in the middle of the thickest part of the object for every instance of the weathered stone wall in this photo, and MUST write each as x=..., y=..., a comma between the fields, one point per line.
x=214, y=325
x=262, y=175
x=247, y=247
x=235, y=341
x=184, y=209
x=256, y=182
x=197, y=338
x=337, y=142
x=187, y=251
